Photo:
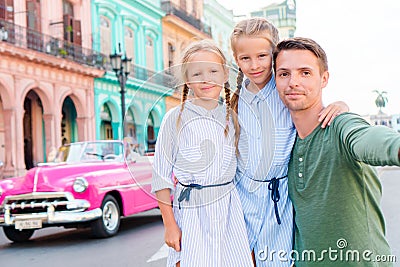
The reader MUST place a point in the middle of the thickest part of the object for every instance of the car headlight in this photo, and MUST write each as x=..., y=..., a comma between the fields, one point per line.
x=80, y=185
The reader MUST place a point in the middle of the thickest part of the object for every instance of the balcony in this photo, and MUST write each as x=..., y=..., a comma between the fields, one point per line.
x=172, y=9
x=162, y=78
x=37, y=41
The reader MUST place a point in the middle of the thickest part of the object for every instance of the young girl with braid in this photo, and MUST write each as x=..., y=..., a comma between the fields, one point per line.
x=265, y=139
x=204, y=226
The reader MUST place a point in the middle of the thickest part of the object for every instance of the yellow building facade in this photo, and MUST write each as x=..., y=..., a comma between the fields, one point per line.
x=181, y=25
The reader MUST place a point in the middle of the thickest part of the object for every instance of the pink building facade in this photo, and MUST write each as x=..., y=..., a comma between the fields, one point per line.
x=47, y=72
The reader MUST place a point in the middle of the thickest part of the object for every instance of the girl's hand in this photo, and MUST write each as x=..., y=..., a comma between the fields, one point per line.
x=328, y=114
x=173, y=236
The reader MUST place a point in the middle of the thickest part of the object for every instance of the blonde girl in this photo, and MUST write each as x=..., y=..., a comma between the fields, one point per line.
x=265, y=139
x=204, y=226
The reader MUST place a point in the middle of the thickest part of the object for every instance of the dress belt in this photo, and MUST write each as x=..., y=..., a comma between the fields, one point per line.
x=273, y=185
x=185, y=193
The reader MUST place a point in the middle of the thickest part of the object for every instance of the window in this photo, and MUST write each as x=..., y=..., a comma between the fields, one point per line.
x=171, y=51
x=105, y=35
x=129, y=43
x=7, y=10
x=33, y=14
x=149, y=53
x=72, y=27
x=150, y=133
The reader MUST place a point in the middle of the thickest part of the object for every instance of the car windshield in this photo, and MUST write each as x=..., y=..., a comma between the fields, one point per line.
x=90, y=151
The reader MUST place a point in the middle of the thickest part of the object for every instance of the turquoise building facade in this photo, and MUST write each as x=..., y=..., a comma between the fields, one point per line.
x=133, y=29
x=221, y=21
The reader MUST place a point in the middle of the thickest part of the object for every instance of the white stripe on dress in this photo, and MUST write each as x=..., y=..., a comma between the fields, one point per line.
x=265, y=234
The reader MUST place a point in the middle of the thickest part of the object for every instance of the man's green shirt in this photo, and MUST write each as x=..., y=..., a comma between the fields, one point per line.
x=336, y=194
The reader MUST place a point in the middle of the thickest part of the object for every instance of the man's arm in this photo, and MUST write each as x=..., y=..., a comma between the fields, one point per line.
x=374, y=145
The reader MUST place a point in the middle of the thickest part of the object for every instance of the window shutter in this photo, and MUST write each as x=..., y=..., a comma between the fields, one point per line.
x=77, y=35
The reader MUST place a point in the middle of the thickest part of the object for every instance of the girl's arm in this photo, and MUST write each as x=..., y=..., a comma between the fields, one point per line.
x=328, y=114
x=173, y=233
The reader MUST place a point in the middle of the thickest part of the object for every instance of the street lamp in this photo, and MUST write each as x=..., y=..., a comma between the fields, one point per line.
x=121, y=67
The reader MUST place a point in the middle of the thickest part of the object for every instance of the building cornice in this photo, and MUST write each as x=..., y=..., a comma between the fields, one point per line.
x=49, y=60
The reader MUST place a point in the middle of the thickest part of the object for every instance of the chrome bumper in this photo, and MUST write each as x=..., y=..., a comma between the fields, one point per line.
x=74, y=210
x=52, y=217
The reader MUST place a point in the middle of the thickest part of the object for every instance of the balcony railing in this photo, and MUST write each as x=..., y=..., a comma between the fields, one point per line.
x=161, y=78
x=172, y=9
x=37, y=41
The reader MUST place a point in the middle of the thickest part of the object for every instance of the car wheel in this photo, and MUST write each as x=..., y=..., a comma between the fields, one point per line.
x=108, y=224
x=16, y=235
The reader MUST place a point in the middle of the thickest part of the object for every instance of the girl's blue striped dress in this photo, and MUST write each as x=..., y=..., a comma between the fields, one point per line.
x=204, y=162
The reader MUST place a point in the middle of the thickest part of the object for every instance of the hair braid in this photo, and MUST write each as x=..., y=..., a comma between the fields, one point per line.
x=235, y=105
x=235, y=97
x=227, y=88
x=185, y=91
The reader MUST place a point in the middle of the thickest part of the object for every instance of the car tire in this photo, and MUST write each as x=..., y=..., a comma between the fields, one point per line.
x=16, y=235
x=108, y=224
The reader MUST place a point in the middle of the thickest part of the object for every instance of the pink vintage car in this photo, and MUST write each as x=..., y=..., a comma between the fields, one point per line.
x=89, y=184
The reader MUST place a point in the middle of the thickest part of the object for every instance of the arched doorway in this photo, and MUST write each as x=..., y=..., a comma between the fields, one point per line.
x=34, y=144
x=151, y=140
x=106, y=131
x=130, y=124
x=69, y=129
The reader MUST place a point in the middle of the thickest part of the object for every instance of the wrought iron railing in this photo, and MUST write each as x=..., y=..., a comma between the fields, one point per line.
x=172, y=9
x=37, y=41
x=162, y=78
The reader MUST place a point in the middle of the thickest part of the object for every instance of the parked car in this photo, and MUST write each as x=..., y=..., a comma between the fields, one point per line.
x=88, y=184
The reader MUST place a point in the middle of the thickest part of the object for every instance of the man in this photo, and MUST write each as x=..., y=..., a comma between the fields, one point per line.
x=335, y=193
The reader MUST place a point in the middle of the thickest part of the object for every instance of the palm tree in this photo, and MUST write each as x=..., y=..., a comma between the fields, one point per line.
x=381, y=99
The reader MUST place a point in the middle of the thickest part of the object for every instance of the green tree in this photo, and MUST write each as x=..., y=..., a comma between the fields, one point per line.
x=381, y=99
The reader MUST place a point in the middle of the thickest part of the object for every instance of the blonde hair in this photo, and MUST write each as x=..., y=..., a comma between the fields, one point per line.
x=252, y=27
x=193, y=48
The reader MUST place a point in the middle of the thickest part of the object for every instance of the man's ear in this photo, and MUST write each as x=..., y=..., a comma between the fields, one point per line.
x=324, y=79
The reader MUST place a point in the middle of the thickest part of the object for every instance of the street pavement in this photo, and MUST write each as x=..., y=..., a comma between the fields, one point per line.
x=390, y=178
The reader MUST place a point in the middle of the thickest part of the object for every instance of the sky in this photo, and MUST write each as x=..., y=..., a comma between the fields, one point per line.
x=362, y=42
